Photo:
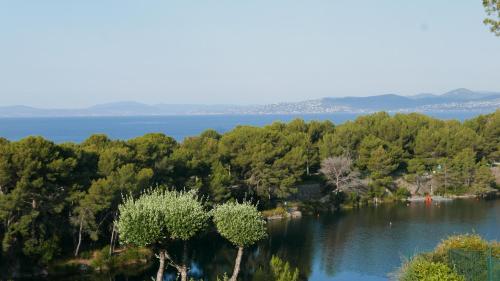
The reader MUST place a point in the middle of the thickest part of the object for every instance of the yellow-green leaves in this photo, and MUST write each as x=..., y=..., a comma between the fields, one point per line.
x=492, y=8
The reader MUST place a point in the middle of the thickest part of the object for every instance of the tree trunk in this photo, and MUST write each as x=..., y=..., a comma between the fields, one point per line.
x=183, y=267
x=161, y=268
x=77, y=250
x=113, y=238
x=237, y=264
x=183, y=272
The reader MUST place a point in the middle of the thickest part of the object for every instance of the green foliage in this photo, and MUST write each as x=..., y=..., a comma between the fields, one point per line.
x=50, y=193
x=102, y=259
x=223, y=278
x=240, y=223
x=417, y=166
x=142, y=222
x=381, y=163
x=35, y=182
x=466, y=254
x=265, y=159
x=471, y=242
x=282, y=270
x=484, y=180
x=278, y=211
x=464, y=166
x=344, y=140
x=420, y=269
x=159, y=216
x=220, y=181
x=367, y=148
x=184, y=215
x=402, y=193
x=353, y=198
x=492, y=8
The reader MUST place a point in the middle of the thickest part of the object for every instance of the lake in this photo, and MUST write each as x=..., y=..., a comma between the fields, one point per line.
x=77, y=129
x=359, y=244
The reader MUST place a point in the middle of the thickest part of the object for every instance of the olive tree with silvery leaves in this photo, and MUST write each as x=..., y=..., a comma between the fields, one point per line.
x=240, y=223
x=159, y=217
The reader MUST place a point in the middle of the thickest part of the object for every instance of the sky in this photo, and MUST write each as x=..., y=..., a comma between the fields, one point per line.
x=70, y=53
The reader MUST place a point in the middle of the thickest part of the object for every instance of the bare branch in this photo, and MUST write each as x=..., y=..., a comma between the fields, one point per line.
x=338, y=171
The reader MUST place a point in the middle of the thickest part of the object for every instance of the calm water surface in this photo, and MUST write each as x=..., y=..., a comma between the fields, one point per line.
x=351, y=245
x=77, y=129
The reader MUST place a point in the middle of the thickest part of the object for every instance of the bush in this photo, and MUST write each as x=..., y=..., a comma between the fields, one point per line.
x=469, y=242
x=420, y=269
x=402, y=193
x=282, y=270
x=459, y=254
x=223, y=278
x=131, y=255
x=102, y=259
x=353, y=198
x=278, y=211
x=86, y=255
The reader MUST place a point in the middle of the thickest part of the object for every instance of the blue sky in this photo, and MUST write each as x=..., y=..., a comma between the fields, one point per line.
x=77, y=53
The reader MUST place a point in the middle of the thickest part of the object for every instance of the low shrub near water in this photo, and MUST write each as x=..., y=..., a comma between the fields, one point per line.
x=402, y=193
x=278, y=211
x=420, y=269
x=103, y=260
x=439, y=265
x=466, y=242
x=282, y=270
x=279, y=270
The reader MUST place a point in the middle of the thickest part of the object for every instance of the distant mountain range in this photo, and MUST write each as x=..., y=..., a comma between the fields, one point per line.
x=456, y=100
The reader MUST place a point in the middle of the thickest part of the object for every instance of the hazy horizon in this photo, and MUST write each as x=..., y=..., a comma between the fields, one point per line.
x=234, y=104
x=68, y=54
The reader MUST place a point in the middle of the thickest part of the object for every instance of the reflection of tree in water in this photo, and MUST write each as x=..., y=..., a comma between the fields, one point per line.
x=357, y=240
x=332, y=231
x=371, y=239
x=291, y=240
x=351, y=241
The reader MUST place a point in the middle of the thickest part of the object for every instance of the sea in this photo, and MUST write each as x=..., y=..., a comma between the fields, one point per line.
x=77, y=129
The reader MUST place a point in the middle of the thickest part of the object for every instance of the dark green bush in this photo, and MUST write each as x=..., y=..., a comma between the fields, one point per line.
x=402, y=193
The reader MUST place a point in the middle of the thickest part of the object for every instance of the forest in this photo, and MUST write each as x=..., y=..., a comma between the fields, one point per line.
x=57, y=200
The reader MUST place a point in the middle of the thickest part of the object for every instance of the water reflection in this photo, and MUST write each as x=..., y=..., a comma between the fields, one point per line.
x=363, y=244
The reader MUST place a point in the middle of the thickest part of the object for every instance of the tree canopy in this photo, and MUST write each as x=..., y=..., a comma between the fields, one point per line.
x=159, y=217
x=240, y=223
x=492, y=8
x=63, y=198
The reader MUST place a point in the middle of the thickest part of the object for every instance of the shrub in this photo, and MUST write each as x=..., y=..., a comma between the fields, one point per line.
x=278, y=211
x=223, y=278
x=469, y=242
x=420, y=269
x=464, y=254
x=282, y=270
x=402, y=193
x=133, y=255
x=495, y=249
x=86, y=255
x=353, y=198
x=102, y=259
